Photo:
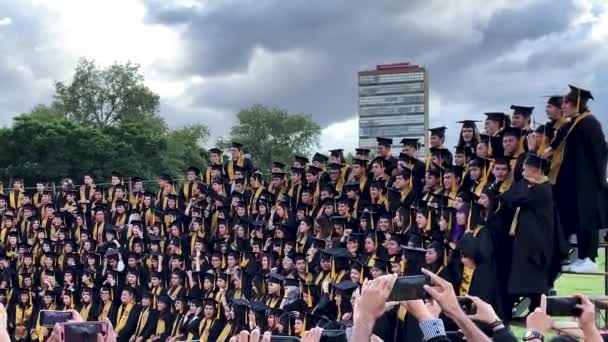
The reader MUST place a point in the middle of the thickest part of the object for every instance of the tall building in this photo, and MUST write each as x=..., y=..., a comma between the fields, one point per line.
x=393, y=103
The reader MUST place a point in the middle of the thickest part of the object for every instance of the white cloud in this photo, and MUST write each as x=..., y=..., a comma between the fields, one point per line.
x=343, y=134
x=5, y=21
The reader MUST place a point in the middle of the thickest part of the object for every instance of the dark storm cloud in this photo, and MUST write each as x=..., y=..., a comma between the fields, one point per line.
x=28, y=66
x=334, y=39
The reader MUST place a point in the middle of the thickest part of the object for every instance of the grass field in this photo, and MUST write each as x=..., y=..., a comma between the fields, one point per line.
x=568, y=284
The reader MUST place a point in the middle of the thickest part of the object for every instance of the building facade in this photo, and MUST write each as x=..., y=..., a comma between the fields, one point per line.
x=393, y=103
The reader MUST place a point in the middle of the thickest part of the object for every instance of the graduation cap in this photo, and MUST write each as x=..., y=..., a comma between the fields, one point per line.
x=165, y=299
x=278, y=165
x=434, y=170
x=522, y=110
x=258, y=307
x=216, y=150
x=194, y=169
x=503, y=160
x=496, y=116
x=346, y=287
x=313, y=170
x=335, y=166
x=380, y=263
x=468, y=123
x=580, y=95
x=359, y=161
x=362, y=151
x=413, y=142
x=336, y=152
x=555, y=100
x=339, y=220
x=441, y=152
x=456, y=170
x=534, y=160
x=384, y=141
x=512, y=132
x=301, y=159
x=438, y=131
x=320, y=157
x=236, y=145
x=275, y=278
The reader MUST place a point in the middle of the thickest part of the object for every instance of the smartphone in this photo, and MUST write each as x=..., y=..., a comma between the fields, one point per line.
x=563, y=306
x=333, y=336
x=409, y=288
x=274, y=338
x=84, y=331
x=49, y=318
x=466, y=304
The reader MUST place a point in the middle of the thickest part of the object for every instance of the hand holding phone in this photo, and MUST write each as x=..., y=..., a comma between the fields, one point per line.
x=563, y=306
x=49, y=318
x=409, y=288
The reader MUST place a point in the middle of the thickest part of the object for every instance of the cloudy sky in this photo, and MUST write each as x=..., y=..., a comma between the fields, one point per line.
x=208, y=59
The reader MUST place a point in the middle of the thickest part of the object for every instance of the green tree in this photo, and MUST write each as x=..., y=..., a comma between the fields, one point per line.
x=101, y=121
x=107, y=97
x=272, y=134
x=184, y=148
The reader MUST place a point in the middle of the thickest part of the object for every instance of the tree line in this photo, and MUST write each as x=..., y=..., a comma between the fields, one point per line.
x=106, y=119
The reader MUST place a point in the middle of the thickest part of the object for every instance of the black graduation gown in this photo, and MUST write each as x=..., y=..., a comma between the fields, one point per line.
x=484, y=282
x=533, y=239
x=418, y=174
x=129, y=329
x=580, y=188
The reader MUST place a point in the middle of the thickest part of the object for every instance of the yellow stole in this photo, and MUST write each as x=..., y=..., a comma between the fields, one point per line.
x=254, y=198
x=98, y=232
x=143, y=319
x=123, y=316
x=84, y=311
x=84, y=195
x=188, y=188
x=22, y=315
x=174, y=291
x=230, y=167
x=204, y=328
x=300, y=244
x=558, y=154
x=105, y=311
x=156, y=291
x=160, y=327
x=272, y=302
x=467, y=277
x=15, y=198
x=225, y=334
x=178, y=319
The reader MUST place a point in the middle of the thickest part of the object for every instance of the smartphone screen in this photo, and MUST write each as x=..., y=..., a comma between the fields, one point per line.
x=48, y=318
x=409, y=288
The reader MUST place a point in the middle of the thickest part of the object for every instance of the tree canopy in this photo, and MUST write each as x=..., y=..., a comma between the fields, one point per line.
x=272, y=134
x=106, y=119
x=102, y=120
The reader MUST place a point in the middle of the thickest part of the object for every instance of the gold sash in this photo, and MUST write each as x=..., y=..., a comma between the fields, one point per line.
x=558, y=154
x=513, y=228
x=467, y=278
x=143, y=319
x=123, y=316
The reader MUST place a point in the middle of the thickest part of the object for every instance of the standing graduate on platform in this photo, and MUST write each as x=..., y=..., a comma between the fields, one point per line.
x=437, y=141
x=532, y=231
x=410, y=149
x=469, y=137
x=579, y=168
x=494, y=124
x=384, y=152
